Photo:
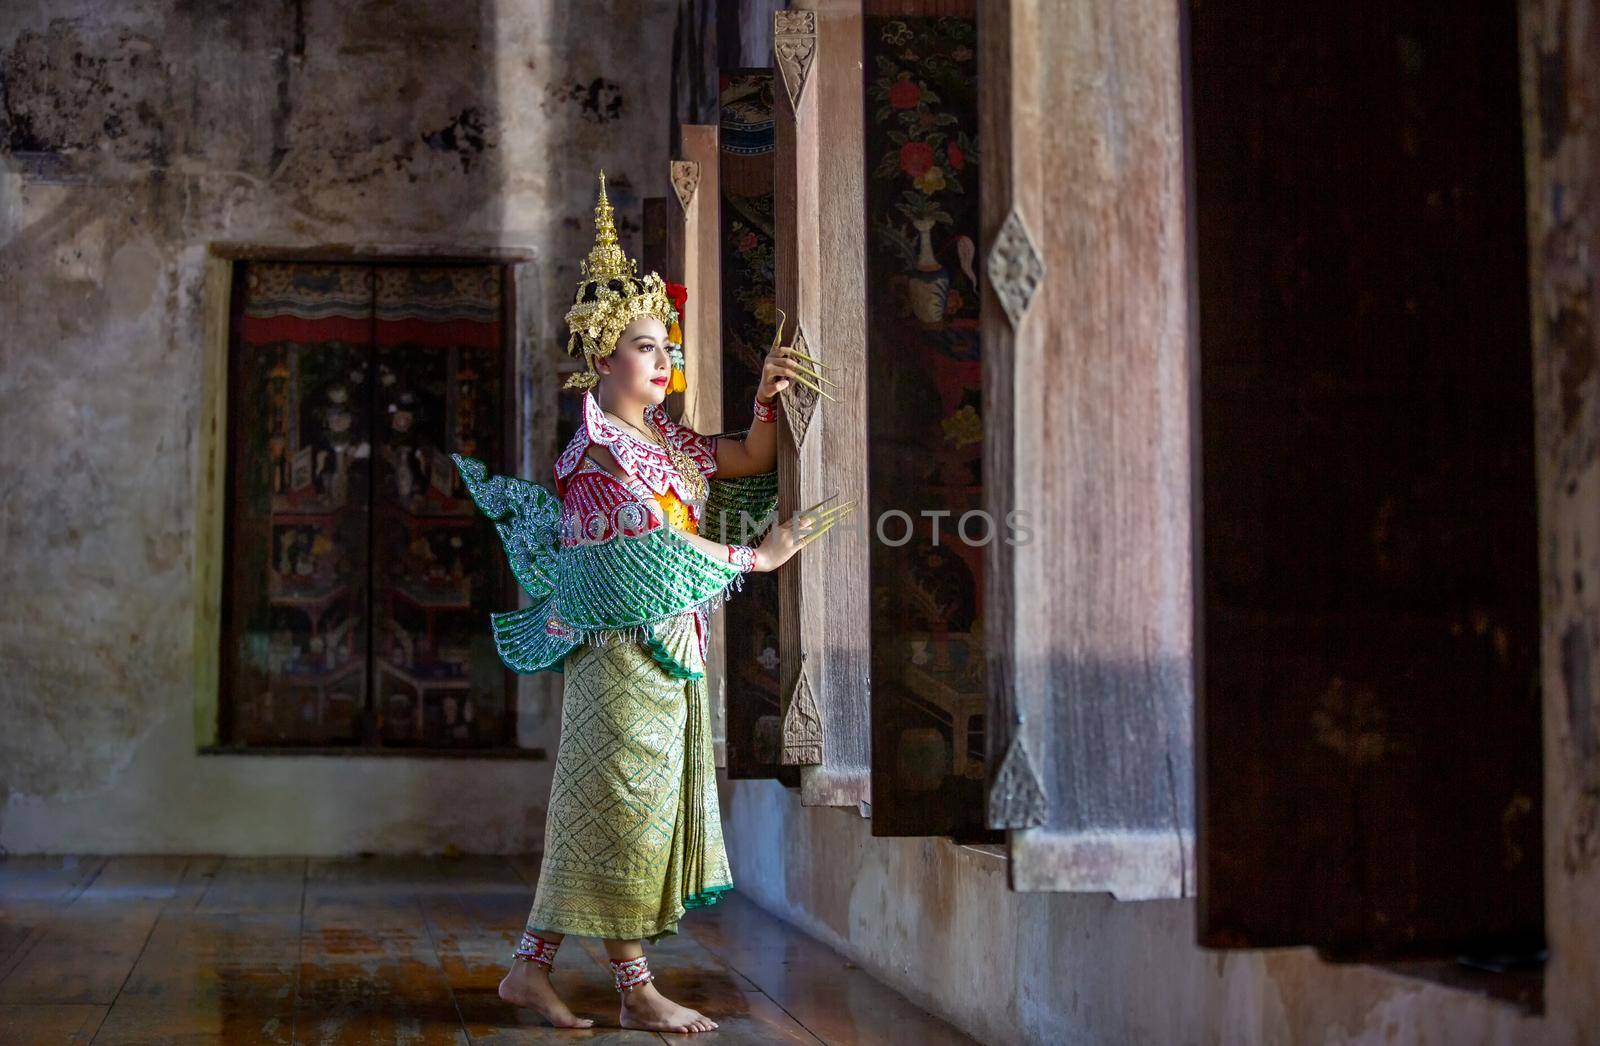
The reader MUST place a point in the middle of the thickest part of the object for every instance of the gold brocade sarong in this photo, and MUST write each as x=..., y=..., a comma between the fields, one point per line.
x=633, y=835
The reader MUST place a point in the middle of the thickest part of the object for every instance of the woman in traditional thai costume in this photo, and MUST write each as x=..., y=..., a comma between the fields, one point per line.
x=624, y=565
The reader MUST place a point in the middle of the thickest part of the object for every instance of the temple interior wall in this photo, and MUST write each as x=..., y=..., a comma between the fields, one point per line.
x=141, y=134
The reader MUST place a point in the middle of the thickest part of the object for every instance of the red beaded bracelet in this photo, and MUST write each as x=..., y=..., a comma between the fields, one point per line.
x=743, y=557
x=766, y=411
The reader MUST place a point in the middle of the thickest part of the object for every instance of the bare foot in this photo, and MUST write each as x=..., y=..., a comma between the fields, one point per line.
x=646, y=1008
x=528, y=985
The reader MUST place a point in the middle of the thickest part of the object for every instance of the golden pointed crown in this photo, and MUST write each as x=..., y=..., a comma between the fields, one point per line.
x=606, y=260
x=610, y=296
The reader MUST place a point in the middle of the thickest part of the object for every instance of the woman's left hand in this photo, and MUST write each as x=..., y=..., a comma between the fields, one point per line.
x=785, y=363
x=778, y=369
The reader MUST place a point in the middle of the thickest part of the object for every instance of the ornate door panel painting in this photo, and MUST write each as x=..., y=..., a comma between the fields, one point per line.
x=925, y=403
x=359, y=578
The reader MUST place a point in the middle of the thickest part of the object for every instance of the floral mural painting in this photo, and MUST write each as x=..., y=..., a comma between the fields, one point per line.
x=923, y=99
x=750, y=240
x=926, y=411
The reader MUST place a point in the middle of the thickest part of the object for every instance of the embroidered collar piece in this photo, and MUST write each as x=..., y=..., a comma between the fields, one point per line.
x=647, y=461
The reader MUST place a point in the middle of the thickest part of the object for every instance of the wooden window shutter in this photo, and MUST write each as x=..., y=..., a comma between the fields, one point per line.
x=745, y=154
x=1369, y=598
x=297, y=597
x=822, y=443
x=1087, y=356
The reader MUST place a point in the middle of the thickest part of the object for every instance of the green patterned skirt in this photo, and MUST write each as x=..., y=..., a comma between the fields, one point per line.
x=633, y=836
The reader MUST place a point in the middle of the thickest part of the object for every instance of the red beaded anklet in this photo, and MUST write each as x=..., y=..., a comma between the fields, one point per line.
x=630, y=973
x=534, y=948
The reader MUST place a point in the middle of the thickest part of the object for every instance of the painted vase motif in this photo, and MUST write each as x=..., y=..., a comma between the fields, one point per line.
x=929, y=287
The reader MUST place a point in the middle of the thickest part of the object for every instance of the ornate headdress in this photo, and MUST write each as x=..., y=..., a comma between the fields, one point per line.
x=612, y=295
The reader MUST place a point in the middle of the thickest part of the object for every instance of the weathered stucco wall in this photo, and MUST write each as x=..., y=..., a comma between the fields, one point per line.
x=132, y=138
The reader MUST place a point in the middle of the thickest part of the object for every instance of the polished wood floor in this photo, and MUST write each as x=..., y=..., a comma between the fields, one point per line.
x=380, y=950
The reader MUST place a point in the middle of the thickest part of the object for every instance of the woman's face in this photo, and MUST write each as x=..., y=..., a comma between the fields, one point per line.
x=639, y=368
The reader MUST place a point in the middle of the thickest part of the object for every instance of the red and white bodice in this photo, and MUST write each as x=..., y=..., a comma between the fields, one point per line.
x=596, y=506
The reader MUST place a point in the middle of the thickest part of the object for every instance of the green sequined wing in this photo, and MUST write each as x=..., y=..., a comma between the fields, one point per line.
x=619, y=589
x=737, y=511
x=524, y=644
x=623, y=587
x=528, y=519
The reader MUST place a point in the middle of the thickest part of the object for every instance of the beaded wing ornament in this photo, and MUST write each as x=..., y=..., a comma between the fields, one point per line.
x=625, y=588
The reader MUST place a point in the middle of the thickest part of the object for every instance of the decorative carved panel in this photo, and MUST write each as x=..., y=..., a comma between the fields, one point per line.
x=1015, y=268
x=802, y=724
x=800, y=402
x=685, y=180
x=1016, y=797
x=794, y=45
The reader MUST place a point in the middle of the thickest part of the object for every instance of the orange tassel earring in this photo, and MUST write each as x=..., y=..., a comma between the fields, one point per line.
x=677, y=382
x=678, y=294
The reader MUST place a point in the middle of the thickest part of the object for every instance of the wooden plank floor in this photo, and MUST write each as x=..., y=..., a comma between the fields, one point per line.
x=381, y=950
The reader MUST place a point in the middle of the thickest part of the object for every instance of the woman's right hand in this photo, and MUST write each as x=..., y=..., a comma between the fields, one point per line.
x=785, y=539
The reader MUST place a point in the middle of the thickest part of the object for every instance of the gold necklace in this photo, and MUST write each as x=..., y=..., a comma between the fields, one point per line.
x=687, y=470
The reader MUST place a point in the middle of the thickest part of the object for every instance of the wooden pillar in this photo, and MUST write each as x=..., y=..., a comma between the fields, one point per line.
x=1086, y=375
x=694, y=184
x=694, y=180
x=663, y=253
x=823, y=451
x=746, y=149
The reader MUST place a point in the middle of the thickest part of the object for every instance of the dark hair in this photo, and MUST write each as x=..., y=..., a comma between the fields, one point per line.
x=627, y=286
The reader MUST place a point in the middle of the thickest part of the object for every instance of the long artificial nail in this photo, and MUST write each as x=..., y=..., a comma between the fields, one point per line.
x=777, y=339
x=811, y=535
x=823, y=520
x=800, y=377
x=819, y=377
x=815, y=534
x=797, y=354
x=818, y=389
x=821, y=503
x=836, y=510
